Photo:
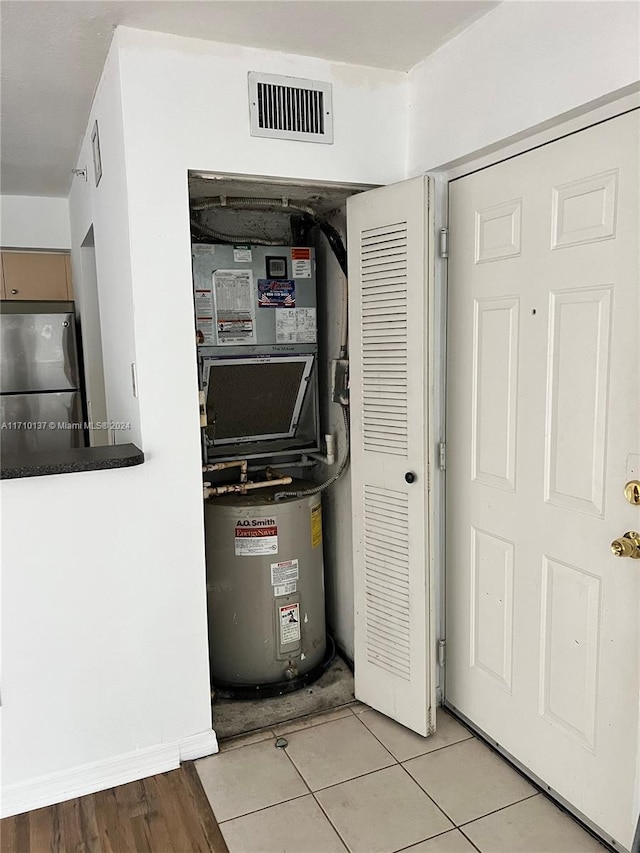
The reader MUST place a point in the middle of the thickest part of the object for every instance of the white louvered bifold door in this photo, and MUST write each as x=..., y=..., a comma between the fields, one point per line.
x=387, y=239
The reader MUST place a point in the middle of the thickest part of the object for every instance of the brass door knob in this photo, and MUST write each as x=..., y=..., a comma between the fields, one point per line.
x=632, y=492
x=627, y=545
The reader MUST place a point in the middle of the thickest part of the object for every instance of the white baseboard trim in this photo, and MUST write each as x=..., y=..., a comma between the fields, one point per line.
x=197, y=746
x=100, y=775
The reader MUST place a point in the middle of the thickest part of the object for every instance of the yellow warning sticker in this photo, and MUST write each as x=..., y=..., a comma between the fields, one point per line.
x=316, y=526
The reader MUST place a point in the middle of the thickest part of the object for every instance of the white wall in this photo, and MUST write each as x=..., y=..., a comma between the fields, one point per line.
x=34, y=222
x=519, y=66
x=104, y=585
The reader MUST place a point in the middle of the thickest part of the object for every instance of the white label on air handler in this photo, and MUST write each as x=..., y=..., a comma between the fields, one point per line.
x=289, y=623
x=256, y=536
x=242, y=255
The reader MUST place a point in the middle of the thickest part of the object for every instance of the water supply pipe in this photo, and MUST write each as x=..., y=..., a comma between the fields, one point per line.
x=210, y=491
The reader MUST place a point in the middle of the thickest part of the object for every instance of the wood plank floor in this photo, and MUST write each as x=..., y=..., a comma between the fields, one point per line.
x=167, y=813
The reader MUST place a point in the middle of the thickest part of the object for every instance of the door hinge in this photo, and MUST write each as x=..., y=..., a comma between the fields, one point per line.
x=442, y=455
x=441, y=652
x=444, y=242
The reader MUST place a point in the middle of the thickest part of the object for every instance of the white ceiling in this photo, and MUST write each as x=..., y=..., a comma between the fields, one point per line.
x=53, y=52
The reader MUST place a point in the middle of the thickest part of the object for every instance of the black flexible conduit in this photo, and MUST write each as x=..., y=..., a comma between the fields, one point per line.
x=232, y=238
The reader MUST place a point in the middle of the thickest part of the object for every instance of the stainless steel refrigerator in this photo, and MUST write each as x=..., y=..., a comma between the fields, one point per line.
x=40, y=395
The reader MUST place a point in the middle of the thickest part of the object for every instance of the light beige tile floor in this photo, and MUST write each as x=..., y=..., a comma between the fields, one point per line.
x=355, y=781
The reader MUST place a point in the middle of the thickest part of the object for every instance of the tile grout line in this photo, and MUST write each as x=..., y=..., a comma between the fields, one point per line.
x=224, y=747
x=420, y=755
x=315, y=799
x=501, y=809
x=437, y=805
x=313, y=725
x=367, y=729
x=281, y=802
x=331, y=823
x=298, y=771
x=350, y=778
x=409, y=774
x=431, y=838
x=261, y=809
x=464, y=834
x=353, y=778
x=480, y=817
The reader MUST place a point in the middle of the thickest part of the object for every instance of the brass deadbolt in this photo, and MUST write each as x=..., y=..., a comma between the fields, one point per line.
x=627, y=545
x=632, y=492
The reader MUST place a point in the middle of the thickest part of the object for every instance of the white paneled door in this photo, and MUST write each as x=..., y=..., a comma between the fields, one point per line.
x=388, y=319
x=543, y=433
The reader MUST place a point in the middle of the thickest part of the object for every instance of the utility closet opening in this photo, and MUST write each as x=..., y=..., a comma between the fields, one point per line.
x=270, y=284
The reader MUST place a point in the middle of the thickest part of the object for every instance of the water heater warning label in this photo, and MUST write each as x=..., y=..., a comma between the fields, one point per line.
x=284, y=576
x=254, y=537
x=289, y=623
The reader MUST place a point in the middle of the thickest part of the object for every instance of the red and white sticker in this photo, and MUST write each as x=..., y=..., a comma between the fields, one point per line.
x=301, y=263
x=256, y=536
x=289, y=623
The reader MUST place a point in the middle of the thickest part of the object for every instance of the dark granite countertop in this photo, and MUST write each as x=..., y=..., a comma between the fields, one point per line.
x=70, y=461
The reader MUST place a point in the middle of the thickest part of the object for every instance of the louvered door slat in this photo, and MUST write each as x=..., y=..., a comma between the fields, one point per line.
x=381, y=232
x=394, y=642
x=395, y=516
x=390, y=404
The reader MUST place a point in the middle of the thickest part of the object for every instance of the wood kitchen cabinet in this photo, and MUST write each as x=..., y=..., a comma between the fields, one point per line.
x=36, y=275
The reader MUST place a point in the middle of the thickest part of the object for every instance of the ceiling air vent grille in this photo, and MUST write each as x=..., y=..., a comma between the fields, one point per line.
x=290, y=108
